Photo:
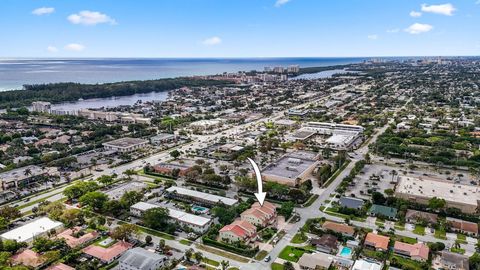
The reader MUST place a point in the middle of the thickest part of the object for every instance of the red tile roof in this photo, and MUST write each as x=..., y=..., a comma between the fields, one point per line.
x=107, y=254
x=415, y=250
x=378, y=241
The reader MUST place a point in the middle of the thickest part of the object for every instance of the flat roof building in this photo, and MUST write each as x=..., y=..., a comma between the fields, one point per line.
x=194, y=222
x=29, y=231
x=141, y=259
x=125, y=145
x=466, y=198
x=291, y=169
x=189, y=195
x=21, y=176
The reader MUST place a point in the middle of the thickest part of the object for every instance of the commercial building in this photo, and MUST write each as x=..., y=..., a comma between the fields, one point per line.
x=29, y=231
x=125, y=145
x=141, y=259
x=21, y=176
x=342, y=136
x=203, y=125
x=117, y=192
x=196, y=223
x=193, y=196
x=170, y=168
x=163, y=138
x=41, y=106
x=291, y=169
x=463, y=197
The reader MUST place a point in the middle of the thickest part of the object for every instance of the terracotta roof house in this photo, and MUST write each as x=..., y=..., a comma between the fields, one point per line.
x=414, y=216
x=326, y=243
x=377, y=242
x=74, y=241
x=339, y=228
x=315, y=261
x=60, y=266
x=107, y=255
x=261, y=216
x=463, y=226
x=239, y=230
x=27, y=257
x=418, y=251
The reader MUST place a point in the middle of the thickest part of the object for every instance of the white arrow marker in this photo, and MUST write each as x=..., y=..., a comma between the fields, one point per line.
x=260, y=194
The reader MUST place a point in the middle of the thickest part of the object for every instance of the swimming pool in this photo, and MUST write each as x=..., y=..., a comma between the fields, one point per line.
x=199, y=209
x=346, y=252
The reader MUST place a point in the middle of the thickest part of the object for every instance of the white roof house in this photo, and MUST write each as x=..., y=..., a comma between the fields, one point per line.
x=201, y=196
x=366, y=265
x=27, y=232
x=197, y=223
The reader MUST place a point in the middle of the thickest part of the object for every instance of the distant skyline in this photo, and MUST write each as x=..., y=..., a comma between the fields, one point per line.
x=238, y=28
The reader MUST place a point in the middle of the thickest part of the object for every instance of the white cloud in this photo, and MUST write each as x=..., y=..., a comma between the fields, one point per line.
x=280, y=3
x=52, y=49
x=373, y=37
x=415, y=14
x=43, y=11
x=444, y=9
x=478, y=2
x=418, y=28
x=394, y=30
x=75, y=47
x=87, y=17
x=212, y=41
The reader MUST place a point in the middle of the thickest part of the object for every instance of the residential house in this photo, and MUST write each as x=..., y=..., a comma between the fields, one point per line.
x=141, y=259
x=239, y=230
x=351, y=203
x=344, y=229
x=417, y=252
x=414, y=216
x=377, y=242
x=326, y=243
x=463, y=226
x=450, y=260
x=316, y=261
x=107, y=255
x=382, y=211
x=260, y=216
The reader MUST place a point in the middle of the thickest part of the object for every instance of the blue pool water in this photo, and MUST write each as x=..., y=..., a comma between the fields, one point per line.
x=199, y=209
x=346, y=252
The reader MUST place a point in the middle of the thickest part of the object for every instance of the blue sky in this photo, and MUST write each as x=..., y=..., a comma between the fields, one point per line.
x=238, y=28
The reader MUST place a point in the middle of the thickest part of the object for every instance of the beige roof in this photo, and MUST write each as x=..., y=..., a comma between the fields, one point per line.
x=315, y=260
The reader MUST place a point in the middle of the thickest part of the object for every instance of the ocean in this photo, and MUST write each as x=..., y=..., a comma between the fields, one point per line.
x=14, y=73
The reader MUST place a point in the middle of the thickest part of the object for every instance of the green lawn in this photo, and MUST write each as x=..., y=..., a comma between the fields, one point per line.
x=210, y=261
x=406, y=239
x=461, y=238
x=440, y=234
x=185, y=242
x=402, y=263
x=458, y=250
x=261, y=255
x=292, y=254
x=419, y=229
x=276, y=266
x=299, y=238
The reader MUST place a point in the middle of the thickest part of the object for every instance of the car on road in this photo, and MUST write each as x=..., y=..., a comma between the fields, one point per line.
x=267, y=259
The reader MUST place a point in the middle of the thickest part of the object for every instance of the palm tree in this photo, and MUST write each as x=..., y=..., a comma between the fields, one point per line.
x=27, y=172
x=198, y=256
x=129, y=173
x=225, y=264
x=393, y=173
